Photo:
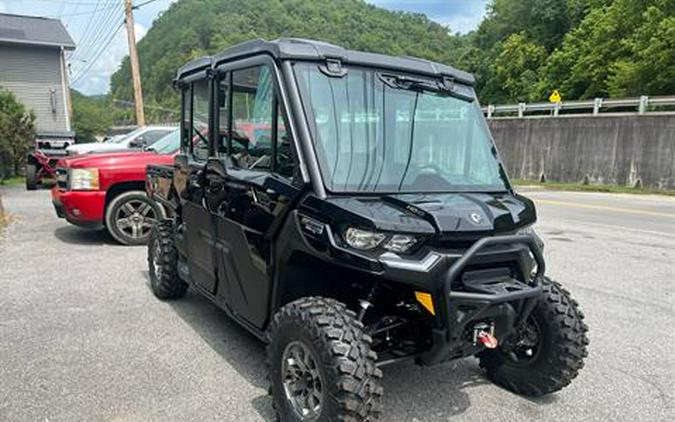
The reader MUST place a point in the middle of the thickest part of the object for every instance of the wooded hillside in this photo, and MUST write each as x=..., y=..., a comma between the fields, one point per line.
x=521, y=51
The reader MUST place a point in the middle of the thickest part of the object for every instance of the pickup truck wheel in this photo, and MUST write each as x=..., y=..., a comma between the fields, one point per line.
x=321, y=367
x=547, y=352
x=130, y=216
x=31, y=177
x=163, y=261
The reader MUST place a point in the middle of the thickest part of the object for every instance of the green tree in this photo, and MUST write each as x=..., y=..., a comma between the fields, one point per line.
x=543, y=21
x=189, y=29
x=91, y=117
x=522, y=50
x=616, y=44
x=650, y=68
x=17, y=130
x=515, y=70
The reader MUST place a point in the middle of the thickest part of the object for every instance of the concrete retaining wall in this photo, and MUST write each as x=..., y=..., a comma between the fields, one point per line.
x=622, y=150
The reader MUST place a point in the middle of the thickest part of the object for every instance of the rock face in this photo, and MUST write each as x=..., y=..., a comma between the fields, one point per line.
x=622, y=150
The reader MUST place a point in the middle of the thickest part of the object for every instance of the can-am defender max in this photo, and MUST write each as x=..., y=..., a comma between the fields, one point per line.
x=350, y=209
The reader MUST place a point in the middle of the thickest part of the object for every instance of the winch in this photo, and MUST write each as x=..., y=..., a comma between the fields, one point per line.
x=485, y=334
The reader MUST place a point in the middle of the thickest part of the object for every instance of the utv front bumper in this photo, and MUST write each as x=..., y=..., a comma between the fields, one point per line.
x=491, y=282
x=506, y=303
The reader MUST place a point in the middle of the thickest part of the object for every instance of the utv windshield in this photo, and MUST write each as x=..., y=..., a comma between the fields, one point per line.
x=376, y=131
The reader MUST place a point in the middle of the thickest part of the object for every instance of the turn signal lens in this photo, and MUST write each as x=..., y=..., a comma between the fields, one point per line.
x=362, y=239
x=426, y=301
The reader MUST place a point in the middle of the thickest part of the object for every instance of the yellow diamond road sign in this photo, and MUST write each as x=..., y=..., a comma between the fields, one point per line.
x=555, y=97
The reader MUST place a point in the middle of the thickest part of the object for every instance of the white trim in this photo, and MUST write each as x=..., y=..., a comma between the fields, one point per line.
x=64, y=92
x=424, y=265
x=38, y=43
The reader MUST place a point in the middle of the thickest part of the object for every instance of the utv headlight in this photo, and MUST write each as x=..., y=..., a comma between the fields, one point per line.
x=84, y=179
x=400, y=243
x=365, y=240
x=362, y=240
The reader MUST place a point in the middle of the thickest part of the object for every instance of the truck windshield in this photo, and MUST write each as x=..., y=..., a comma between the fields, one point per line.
x=168, y=144
x=378, y=132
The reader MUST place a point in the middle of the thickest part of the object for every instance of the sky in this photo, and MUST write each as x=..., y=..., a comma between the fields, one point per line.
x=96, y=27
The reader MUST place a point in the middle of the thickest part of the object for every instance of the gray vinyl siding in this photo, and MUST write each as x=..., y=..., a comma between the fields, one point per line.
x=32, y=74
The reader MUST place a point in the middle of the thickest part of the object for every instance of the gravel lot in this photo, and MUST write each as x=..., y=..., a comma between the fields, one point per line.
x=82, y=337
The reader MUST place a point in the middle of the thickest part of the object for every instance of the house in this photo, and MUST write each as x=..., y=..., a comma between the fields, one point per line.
x=33, y=66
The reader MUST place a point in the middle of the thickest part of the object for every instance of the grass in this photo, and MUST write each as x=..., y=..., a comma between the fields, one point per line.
x=13, y=181
x=580, y=187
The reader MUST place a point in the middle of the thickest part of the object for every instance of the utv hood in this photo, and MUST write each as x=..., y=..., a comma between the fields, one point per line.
x=442, y=213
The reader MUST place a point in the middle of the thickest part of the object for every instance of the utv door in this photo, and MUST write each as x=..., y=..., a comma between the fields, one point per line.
x=189, y=178
x=249, y=185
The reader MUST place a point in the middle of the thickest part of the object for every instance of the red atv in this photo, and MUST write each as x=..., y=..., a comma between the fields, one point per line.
x=50, y=147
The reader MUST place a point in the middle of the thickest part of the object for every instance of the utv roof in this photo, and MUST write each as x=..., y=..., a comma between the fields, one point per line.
x=303, y=49
x=194, y=66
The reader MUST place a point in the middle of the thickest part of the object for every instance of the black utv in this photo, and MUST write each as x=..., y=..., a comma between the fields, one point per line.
x=350, y=210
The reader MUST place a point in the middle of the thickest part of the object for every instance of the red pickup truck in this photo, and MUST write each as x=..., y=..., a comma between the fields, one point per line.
x=108, y=190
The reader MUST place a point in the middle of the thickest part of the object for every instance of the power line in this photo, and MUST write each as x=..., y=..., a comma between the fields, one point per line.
x=88, y=25
x=83, y=3
x=102, y=24
x=96, y=52
x=138, y=6
x=83, y=72
x=89, y=65
x=95, y=23
x=89, y=12
x=128, y=103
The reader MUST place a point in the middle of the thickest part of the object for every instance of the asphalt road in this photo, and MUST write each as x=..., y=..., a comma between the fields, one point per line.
x=82, y=337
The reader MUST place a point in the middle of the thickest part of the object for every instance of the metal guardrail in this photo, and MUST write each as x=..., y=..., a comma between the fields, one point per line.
x=596, y=106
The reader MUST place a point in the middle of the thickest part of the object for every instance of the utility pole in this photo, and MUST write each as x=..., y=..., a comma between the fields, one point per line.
x=133, y=60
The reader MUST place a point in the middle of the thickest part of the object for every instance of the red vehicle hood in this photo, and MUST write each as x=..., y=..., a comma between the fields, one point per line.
x=116, y=159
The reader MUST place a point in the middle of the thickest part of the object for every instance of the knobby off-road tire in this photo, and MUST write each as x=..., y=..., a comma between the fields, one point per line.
x=560, y=351
x=31, y=177
x=163, y=261
x=345, y=363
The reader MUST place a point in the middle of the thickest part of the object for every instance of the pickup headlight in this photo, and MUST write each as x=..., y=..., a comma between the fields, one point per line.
x=365, y=240
x=84, y=179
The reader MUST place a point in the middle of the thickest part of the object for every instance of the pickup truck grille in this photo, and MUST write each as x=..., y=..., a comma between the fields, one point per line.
x=62, y=178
